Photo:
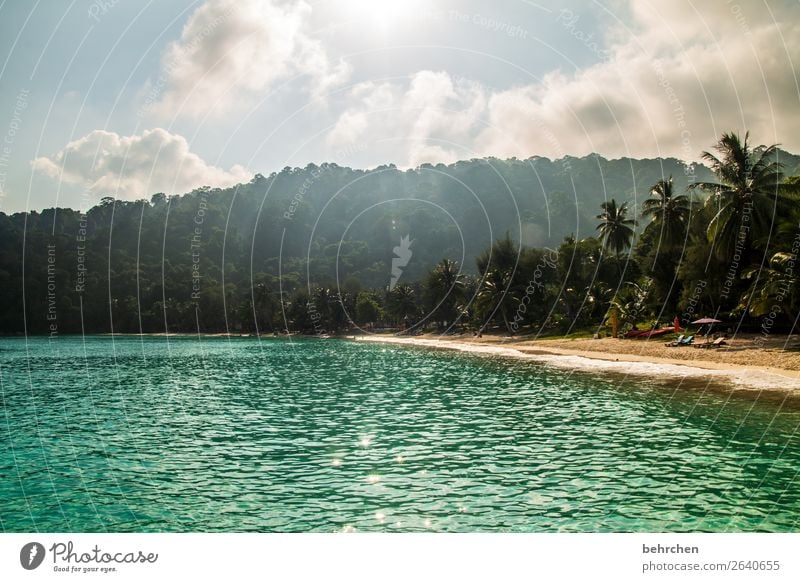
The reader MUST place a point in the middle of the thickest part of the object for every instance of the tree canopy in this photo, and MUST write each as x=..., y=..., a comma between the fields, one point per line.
x=513, y=244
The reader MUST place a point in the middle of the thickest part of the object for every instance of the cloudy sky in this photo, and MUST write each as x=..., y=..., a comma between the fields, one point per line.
x=126, y=98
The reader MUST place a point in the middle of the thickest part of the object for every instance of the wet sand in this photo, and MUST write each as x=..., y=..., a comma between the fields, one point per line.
x=741, y=363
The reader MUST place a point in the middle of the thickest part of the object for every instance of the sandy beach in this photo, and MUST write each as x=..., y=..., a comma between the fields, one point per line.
x=741, y=363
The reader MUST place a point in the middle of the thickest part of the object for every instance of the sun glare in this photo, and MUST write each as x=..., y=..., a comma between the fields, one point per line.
x=381, y=14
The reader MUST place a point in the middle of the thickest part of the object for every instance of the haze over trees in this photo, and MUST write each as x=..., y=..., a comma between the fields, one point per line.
x=526, y=246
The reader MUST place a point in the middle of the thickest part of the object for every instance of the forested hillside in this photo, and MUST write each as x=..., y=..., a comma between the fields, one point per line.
x=245, y=257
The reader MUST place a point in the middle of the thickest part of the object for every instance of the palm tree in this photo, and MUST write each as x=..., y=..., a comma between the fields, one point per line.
x=628, y=304
x=503, y=254
x=401, y=303
x=598, y=295
x=494, y=296
x=444, y=285
x=747, y=197
x=669, y=213
x=776, y=285
x=774, y=288
x=446, y=275
x=615, y=227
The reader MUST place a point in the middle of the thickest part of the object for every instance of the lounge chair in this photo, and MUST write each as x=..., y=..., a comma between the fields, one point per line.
x=719, y=342
x=677, y=342
x=682, y=341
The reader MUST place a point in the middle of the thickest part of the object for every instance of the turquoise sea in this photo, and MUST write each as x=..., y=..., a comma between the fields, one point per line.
x=132, y=434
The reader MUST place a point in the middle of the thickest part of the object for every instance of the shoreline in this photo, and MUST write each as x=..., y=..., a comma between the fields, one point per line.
x=624, y=357
x=741, y=377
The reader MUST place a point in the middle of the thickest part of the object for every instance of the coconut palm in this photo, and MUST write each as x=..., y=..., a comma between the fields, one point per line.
x=445, y=286
x=629, y=303
x=494, y=297
x=446, y=275
x=598, y=296
x=747, y=197
x=401, y=303
x=773, y=288
x=616, y=229
x=669, y=213
x=503, y=254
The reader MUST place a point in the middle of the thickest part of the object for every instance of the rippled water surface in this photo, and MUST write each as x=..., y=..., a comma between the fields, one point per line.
x=217, y=434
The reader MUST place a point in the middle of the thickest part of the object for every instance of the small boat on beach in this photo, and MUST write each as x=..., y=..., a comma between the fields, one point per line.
x=640, y=334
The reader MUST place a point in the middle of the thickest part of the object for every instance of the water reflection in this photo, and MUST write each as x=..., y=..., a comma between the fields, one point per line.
x=249, y=435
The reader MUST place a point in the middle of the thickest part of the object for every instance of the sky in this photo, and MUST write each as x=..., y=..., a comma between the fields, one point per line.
x=126, y=98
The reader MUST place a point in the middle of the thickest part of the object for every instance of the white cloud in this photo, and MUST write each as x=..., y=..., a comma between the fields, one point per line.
x=135, y=166
x=676, y=75
x=669, y=90
x=233, y=51
x=431, y=115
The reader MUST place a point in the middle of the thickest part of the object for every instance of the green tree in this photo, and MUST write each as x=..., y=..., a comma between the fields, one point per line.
x=747, y=197
x=659, y=250
x=498, y=266
x=669, y=213
x=494, y=298
x=503, y=255
x=368, y=309
x=401, y=304
x=774, y=288
x=616, y=229
x=444, y=286
x=630, y=302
